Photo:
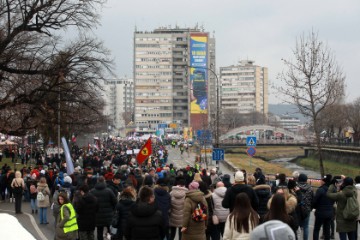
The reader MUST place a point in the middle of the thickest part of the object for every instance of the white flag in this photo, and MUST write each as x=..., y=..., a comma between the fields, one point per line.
x=69, y=164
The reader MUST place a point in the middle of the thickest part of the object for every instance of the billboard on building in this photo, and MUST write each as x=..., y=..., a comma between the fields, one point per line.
x=198, y=79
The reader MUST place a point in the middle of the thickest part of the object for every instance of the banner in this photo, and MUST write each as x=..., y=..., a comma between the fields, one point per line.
x=69, y=162
x=145, y=152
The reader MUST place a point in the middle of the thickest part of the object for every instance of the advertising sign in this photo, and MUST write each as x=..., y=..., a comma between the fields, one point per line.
x=188, y=133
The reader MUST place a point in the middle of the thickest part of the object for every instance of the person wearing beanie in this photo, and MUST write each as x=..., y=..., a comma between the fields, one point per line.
x=263, y=192
x=226, y=180
x=192, y=230
x=307, y=199
x=238, y=187
x=323, y=210
x=272, y=230
x=345, y=227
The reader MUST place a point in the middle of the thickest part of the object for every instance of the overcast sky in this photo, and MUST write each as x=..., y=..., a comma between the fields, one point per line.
x=264, y=31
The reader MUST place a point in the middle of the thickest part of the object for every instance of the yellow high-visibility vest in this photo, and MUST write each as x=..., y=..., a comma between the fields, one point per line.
x=71, y=224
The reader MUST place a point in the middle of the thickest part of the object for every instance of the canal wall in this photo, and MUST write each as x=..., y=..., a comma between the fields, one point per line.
x=345, y=156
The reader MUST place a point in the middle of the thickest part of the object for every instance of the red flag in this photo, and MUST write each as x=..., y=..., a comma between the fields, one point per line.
x=145, y=152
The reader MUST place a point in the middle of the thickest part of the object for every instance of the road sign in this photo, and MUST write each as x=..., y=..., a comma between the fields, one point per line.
x=251, y=151
x=218, y=154
x=251, y=141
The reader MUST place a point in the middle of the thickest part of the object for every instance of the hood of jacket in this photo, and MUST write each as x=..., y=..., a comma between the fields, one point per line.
x=262, y=187
x=100, y=186
x=178, y=192
x=195, y=195
x=304, y=186
x=143, y=209
x=89, y=198
x=159, y=191
x=127, y=201
x=220, y=191
x=349, y=191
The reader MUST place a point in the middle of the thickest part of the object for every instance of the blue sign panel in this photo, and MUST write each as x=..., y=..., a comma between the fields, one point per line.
x=251, y=141
x=218, y=154
x=204, y=136
x=251, y=151
x=162, y=125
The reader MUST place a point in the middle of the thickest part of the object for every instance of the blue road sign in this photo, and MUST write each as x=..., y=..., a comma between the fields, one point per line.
x=218, y=154
x=251, y=141
x=251, y=151
x=162, y=125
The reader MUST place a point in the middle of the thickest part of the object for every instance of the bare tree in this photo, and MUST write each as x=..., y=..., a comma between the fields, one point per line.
x=353, y=118
x=33, y=58
x=312, y=81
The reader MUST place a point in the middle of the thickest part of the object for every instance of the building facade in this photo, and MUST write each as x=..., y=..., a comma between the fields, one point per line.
x=244, y=87
x=161, y=78
x=119, y=98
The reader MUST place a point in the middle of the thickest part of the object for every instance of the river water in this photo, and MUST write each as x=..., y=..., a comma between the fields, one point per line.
x=286, y=162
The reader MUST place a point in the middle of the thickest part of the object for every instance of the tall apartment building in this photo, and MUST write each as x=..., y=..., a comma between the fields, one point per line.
x=119, y=99
x=162, y=76
x=244, y=87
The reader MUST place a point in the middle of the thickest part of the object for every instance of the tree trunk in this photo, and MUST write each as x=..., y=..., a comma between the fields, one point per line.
x=318, y=148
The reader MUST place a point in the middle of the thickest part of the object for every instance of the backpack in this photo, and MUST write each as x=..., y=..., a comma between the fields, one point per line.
x=351, y=210
x=40, y=196
x=199, y=213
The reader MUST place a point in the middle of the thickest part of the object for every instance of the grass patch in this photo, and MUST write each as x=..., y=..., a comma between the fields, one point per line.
x=12, y=165
x=250, y=164
x=271, y=152
x=331, y=167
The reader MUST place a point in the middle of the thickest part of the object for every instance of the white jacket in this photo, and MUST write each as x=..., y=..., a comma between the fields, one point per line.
x=218, y=196
x=231, y=234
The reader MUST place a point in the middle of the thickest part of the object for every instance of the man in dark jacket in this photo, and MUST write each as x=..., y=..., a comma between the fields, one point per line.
x=307, y=199
x=115, y=184
x=107, y=202
x=163, y=203
x=239, y=187
x=86, y=207
x=324, y=209
x=145, y=221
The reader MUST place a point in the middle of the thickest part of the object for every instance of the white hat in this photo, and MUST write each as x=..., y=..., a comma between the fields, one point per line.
x=68, y=179
x=272, y=230
x=42, y=172
x=239, y=176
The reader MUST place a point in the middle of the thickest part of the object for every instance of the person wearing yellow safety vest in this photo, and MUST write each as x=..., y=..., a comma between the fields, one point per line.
x=66, y=227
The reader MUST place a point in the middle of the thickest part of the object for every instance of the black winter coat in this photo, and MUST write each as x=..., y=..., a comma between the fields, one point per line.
x=86, y=208
x=263, y=192
x=114, y=188
x=145, y=223
x=230, y=195
x=163, y=203
x=107, y=203
x=123, y=209
x=324, y=206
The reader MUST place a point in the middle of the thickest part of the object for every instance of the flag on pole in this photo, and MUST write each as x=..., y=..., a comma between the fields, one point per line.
x=144, y=152
x=69, y=164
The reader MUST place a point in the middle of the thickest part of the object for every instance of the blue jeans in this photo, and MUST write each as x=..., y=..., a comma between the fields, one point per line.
x=350, y=235
x=33, y=203
x=43, y=215
x=305, y=227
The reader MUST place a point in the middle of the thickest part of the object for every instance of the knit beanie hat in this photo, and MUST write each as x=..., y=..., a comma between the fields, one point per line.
x=239, y=176
x=272, y=230
x=67, y=179
x=193, y=185
x=302, y=178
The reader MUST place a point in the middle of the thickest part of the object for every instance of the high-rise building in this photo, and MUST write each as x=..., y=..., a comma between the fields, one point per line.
x=244, y=87
x=119, y=99
x=165, y=63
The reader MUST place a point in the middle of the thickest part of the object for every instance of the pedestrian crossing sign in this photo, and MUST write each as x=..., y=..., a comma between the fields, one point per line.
x=251, y=141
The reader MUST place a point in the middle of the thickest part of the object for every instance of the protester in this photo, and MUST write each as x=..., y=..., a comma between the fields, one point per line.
x=242, y=220
x=163, y=203
x=263, y=192
x=307, y=199
x=107, y=202
x=177, y=194
x=18, y=187
x=33, y=195
x=66, y=227
x=278, y=211
x=193, y=230
x=345, y=228
x=211, y=229
x=42, y=188
x=238, y=187
x=86, y=207
x=323, y=209
x=221, y=212
x=126, y=202
x=145, y=221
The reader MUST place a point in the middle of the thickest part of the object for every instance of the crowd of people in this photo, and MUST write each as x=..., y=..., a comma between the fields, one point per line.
x=110, y=194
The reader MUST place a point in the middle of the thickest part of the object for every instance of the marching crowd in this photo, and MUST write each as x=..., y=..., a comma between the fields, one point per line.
x=111, y=194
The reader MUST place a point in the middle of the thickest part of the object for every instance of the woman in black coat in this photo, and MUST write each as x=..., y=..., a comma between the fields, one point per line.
x=86, y=207
x=126, y=202
x=107, y=203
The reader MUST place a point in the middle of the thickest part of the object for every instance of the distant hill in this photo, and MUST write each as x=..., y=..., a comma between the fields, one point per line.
x=292, y=110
